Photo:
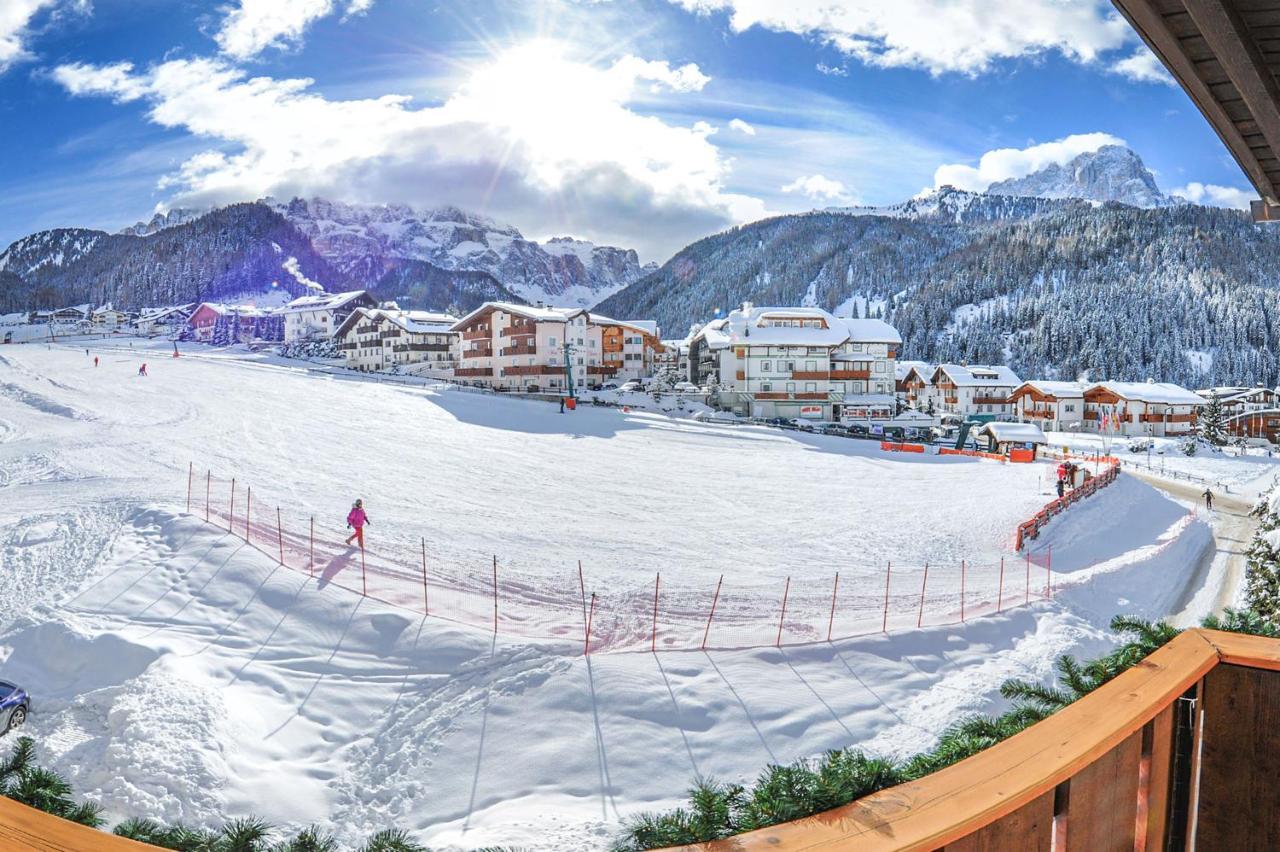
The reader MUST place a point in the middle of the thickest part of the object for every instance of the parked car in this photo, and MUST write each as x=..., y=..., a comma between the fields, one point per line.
x=15, y=704
x=858, y=430
x=779, y=423
x=609, y=386
x=801, y=425
x=835, y=429
x=716, y=417
x=687, y=387
x=631, y=387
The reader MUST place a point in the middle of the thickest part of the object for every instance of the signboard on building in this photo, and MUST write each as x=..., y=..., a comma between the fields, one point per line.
x=813, y=412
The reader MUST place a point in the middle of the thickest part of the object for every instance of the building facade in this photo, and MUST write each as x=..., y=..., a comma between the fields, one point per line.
x=378, y=339
x=537, y=349
x=1053, y=406
x=317, y=317
x=797, y=363
x=973, y=391
x=1132, y=409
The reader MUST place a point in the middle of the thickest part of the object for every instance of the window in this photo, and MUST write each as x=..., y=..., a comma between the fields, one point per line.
x=791, y=387
x=766, y=387
x=551, y=341
x=810, y=387
x=766, y=366
x=1070, y=406
x=859, y=387
x=811, y=366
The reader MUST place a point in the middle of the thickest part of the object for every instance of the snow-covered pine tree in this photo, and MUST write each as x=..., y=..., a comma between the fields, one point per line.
x=1262, y=563
x=1212, y=423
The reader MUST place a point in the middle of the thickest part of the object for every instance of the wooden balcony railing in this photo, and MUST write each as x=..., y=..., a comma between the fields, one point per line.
x=520, y=349
x=1172, y=418
x=850, y=374
x=810, y=375
x=1177, y=752
x=473, y=371
x=534, y=370
x=476, y=334
x=990, y=400
x=513, y=330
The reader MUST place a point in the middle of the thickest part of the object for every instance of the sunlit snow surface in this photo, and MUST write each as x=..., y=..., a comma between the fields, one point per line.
x=177, y=673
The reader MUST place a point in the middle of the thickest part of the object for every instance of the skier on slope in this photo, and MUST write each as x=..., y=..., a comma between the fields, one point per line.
x=142, y=371
x=95, y=360
x=1208, y=499
x=356, y=519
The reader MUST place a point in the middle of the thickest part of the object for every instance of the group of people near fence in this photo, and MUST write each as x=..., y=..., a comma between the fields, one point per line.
x=1068, y=471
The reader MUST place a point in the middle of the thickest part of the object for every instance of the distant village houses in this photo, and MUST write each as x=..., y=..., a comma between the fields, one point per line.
x=379, y=339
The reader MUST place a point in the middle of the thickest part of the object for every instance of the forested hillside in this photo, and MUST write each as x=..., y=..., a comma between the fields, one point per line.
x=1052, y=287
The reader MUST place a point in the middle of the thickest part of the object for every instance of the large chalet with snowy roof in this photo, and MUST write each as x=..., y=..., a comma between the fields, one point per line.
x=797, y=363
x=1053, y=406
x=557, y=350
x=1155, y=409
x=317, y=316
x=974, y=391
x=378, y=339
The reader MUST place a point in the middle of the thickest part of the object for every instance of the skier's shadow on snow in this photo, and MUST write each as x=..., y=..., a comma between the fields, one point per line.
x=346, y=559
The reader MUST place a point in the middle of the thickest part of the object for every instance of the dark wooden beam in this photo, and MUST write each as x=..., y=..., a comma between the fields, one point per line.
x=1228, y=37
x=1151, y=25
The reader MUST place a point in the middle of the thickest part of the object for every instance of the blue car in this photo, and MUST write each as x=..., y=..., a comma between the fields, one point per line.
x=15, y=704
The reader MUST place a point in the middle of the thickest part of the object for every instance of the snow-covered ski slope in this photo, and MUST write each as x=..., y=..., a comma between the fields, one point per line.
x=179, y=673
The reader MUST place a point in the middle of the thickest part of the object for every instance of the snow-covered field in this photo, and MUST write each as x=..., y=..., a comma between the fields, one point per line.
x=179, y=673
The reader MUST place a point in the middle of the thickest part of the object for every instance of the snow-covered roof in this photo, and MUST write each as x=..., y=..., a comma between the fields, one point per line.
x=223, y=309
x=755, y=325
x=1227, y=394
x=19, y=318
x=1055, y=389
x=1014, y=432
x=911, y=417
x=648, y=327
x=534, y=313
x=1160, y=393
x=322, y=301
x=974, y=375
x=870, y=331
x=420, y=322
x=902, y=368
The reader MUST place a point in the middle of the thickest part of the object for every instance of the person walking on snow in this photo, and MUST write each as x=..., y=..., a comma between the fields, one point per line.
x=562, y=405
x=1208, y=499
x=95, y=360
x=356, y=519
x=142, y=371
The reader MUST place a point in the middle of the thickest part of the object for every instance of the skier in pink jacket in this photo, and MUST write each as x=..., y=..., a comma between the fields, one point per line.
x=356, y=519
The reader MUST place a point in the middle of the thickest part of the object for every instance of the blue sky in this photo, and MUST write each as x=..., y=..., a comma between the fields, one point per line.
x=643, y=123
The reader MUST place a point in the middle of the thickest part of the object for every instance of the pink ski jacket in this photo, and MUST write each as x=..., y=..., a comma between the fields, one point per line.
x=356, y=517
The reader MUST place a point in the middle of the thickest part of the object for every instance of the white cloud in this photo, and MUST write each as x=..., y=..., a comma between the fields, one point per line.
x=535, y=138
x=15, y=25
x=741, y=126
x=1213, y=195
x=832, y=70
x=1142, y=66
x=819, y=188
x=1005, y=163
x=252, y=26
x=940, y=36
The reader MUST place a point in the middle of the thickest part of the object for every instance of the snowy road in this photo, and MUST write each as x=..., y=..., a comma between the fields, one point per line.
x=181, y=674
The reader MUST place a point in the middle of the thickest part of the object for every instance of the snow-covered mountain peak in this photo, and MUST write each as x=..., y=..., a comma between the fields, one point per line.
x=161, y=221
x=1111, y=173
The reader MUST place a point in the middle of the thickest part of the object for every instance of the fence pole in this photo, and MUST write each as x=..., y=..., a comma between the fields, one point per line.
x=714, y=600
x=311, y=559
x=426, y=603
x=884, y=624
x=582, y=589
x=232, y=515
x=190, y=471
x=495, y=594
x=924, y=582
x=1027, y=591
x=962, y=591
x=364, y=574
x=781, y=618
x=1000, y=593
x=832, y=620
x=280, y=534
x=586, y=642
x=248, y=507
x=653, y=642
x=208, y=483
x=1048, y=575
